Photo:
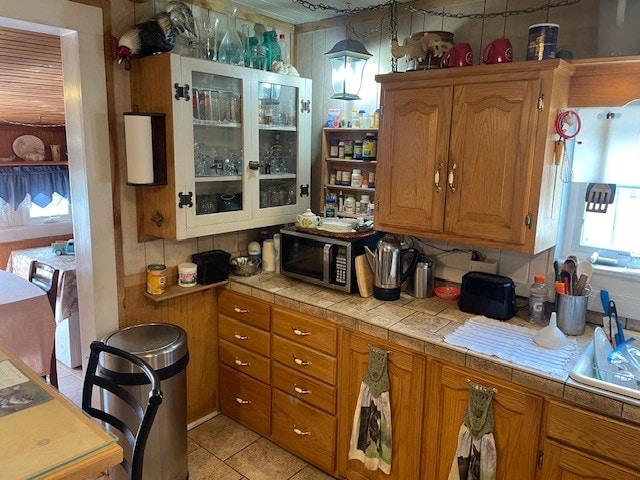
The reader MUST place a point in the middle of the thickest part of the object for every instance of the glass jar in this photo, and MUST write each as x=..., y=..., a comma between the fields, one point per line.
x=273, y=49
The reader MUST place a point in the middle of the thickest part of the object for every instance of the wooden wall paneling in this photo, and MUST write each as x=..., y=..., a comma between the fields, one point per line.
x=195, y=313
x=601, y=82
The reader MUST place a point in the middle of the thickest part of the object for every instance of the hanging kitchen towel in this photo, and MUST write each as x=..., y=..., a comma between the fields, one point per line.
x=475, y=457
x=371, y=432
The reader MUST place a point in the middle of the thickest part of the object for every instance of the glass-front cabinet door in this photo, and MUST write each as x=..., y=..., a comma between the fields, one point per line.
x=282, y=143
x=214, y=138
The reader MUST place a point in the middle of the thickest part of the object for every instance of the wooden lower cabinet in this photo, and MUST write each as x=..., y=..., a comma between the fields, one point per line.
x=564, y=463
x=406, y=376
x=584, y=445
x=517, y=421
x=304, y=430
x=246, y=400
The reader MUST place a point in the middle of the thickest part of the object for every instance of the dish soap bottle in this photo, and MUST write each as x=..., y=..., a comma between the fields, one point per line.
x=537, y=299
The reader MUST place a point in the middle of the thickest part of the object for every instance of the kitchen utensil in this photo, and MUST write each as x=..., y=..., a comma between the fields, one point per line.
x=604, y=298
x=613, y=314
x=566, y=279
x=556, y=269
x=599, y=196
x=27, y=146
x=551, y=336
x=388, y=267
x=578, y=288
x=584, y=268
x=364, y=276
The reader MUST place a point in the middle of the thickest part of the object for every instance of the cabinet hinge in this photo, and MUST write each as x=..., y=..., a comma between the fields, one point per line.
x=184, y=199
x=541, y=102
x=305, y=106
x=540, y=455
x=182, y=91
x=304, y=190
x=528, y=221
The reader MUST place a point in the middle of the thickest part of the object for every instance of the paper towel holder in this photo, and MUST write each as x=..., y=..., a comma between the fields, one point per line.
x=146, y=148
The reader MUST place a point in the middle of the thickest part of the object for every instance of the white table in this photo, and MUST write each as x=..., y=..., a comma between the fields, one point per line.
x=68, y=349
x=27, y=325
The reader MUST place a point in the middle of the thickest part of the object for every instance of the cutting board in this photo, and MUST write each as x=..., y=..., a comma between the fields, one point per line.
x=364, y=276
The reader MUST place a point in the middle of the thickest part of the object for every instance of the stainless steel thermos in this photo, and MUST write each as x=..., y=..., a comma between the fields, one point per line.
x=420, y=284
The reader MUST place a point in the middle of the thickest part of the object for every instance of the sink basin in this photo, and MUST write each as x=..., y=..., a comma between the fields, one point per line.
x=584, y=372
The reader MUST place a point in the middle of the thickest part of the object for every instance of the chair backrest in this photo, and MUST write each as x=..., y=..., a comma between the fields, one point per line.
x=46, y=277
x=135, y=426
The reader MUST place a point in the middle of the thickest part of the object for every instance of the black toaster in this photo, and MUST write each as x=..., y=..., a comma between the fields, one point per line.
x=488, y=294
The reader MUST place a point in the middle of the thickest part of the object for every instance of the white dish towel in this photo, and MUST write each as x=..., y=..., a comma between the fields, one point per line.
x=510, y=342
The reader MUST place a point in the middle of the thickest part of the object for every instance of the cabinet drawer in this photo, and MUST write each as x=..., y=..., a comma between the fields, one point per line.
x=245, y=400
x=245, y=336
x=304, y=430
x=305, y=388
x=305, y=330
x=305, y=360
x=245, y=361
x=245, y=309
x=594, y=434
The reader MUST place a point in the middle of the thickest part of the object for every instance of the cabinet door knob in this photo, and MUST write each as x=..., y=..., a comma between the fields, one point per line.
x=297, y=431
x=240, y=363
x=300, y=332
x=301, y=391
x=450, y=180
x=241, y=401
x=240, y=310
x=237, y=336
x=299, y=361
x=436, y=178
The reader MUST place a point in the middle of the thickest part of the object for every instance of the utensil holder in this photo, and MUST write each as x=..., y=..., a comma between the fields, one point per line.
x=571, y=313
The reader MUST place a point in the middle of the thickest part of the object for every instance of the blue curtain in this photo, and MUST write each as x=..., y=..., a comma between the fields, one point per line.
x=40, y=182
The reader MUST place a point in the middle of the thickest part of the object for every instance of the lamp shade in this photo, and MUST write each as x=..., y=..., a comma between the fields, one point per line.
x=145, y=148
x=347, y=58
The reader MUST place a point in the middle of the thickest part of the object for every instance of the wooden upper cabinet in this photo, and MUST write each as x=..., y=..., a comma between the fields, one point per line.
x=465, y=155
x=416, y=133
x=491, y=160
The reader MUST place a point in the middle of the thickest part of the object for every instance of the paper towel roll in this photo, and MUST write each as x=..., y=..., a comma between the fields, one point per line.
x=139, y=149
x=268, y=256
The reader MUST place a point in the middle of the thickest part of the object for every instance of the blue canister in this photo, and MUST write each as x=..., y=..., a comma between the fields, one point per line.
x=543, y=39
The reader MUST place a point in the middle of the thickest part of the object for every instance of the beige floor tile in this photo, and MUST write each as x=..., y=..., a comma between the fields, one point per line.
x=69, y=384
x=206, y=466
x=222, y=436
x=311, y=473
x=262, y=460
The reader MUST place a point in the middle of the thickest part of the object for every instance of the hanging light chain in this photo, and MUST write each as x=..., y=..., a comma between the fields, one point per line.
x=473, y=16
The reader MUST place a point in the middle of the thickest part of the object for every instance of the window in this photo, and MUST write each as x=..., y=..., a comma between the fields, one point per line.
x=28, y=213
x=606, y=152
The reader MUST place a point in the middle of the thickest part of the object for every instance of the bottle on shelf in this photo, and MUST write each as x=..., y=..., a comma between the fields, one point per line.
x=334, y=148
x=356, y=178
x=341, y=202
x=231, y=48
x=371, y=181
x=350, y=204
x=340, y=149
x=537, y=299
x=330, y=206
x=363, y=119
x=364, y=204
x=273, y=49
x=357, y=149
x=355, y=119
x=348, y=149
x=376, y=118
x=369, y=146
x=284, y=48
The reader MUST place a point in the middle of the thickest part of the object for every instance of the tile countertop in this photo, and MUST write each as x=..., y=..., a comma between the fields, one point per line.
x=421, y=324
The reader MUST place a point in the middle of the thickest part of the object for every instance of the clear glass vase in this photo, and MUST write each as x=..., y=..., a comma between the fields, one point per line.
x=231, y=48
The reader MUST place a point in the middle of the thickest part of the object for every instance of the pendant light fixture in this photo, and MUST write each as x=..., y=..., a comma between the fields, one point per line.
x=347, y=58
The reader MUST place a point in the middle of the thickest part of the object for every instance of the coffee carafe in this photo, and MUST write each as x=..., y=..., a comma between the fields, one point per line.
x=387, y=263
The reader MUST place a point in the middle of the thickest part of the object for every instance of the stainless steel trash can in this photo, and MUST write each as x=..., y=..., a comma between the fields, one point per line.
x=164, y=347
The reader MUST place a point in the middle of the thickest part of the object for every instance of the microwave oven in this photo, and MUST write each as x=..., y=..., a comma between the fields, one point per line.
x=327, y=260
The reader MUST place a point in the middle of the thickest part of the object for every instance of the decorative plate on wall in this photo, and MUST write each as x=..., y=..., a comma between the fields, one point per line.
x=28, y=147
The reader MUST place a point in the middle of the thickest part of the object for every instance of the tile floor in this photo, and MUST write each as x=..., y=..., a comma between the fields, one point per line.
x=220, y=449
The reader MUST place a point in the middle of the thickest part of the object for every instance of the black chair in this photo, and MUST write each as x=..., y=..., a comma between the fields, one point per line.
x=136, y=427
x=46, y=277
